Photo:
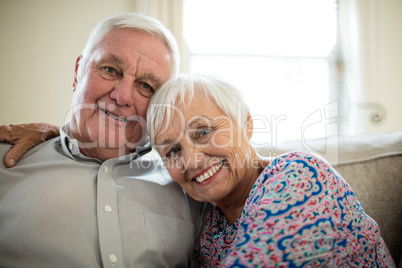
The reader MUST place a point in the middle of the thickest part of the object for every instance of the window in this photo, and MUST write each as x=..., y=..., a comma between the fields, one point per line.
x=279, y=53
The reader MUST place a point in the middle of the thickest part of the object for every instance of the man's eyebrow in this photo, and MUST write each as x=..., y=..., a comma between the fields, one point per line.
x=113, y=58
x=117, y=60
x=151, y=77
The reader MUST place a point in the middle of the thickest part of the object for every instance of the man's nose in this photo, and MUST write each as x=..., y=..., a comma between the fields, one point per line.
x=123, y=92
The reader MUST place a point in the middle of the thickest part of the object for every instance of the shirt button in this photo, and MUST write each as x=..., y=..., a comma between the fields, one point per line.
x=108, y=208
x=106, y=169
x=113, y=258
x=70, y=146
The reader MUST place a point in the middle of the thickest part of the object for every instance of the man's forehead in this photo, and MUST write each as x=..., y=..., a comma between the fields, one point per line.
x=133, y=47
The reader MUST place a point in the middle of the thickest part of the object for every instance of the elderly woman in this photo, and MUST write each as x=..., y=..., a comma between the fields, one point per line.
x=294, y=211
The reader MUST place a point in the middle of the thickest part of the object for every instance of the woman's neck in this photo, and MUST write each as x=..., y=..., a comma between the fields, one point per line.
x=233, y=209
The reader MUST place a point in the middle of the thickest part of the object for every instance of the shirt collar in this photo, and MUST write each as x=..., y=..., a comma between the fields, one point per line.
x=72, y=150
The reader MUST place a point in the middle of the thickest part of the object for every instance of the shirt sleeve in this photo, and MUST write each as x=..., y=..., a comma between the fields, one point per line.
x=303, y=213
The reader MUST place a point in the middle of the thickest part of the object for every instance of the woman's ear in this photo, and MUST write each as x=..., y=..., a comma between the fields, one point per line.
x=249, y=126
x=77, y=64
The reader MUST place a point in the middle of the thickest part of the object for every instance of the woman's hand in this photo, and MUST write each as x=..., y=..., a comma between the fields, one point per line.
x=24, y=137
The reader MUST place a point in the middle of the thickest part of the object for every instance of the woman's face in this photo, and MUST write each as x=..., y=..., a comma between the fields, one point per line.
x=206, y=152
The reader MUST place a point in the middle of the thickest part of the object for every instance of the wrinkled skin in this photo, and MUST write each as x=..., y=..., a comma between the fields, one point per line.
x=24, y=137
x=210, y=156
x=118, y=80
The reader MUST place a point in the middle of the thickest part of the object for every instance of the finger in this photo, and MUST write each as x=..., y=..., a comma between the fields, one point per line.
x=5, y=134
x=16, y=152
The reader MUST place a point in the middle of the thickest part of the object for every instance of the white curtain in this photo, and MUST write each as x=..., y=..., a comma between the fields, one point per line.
x=359, y=28
x=169, y=12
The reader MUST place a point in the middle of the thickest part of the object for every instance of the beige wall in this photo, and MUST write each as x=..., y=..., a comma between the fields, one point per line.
x=39, y=42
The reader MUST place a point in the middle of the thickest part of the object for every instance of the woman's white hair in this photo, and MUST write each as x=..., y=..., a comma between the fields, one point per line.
x=136, y=21
x=179, y=91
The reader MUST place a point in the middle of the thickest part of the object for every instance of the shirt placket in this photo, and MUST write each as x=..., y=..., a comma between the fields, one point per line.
x=108, y=218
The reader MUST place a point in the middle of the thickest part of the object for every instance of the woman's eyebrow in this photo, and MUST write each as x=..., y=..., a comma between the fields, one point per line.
x=200, y=120
x=166, y=142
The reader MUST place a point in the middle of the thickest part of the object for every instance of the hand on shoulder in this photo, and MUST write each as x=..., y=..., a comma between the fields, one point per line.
x=24, y=137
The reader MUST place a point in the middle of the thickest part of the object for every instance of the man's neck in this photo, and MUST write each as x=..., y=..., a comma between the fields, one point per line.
x=104, y=154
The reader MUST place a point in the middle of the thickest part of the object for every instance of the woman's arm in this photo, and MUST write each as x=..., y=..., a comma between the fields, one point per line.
x=306, y=214
x=24, y=137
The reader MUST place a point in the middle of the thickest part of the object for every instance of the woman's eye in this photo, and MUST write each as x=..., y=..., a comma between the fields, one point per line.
x=172, y=152
x=200, y=133
x=204, y=132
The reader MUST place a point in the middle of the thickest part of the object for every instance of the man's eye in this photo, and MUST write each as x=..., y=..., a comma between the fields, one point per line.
x=146, y=90
x=147, y=87
x=110, y=70
x=109, y=73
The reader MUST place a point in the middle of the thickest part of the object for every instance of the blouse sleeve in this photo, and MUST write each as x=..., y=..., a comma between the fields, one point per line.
x=304, y=213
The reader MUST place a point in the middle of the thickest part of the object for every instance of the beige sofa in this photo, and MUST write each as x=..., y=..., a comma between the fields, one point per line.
x=372, y=165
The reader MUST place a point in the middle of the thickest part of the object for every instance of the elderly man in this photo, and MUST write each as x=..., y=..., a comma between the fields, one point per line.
x=92, y=197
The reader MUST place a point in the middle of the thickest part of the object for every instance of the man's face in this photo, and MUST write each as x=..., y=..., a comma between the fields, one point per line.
x=112, y=95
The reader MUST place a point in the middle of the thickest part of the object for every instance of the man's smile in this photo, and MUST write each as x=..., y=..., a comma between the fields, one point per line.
x=119, y=118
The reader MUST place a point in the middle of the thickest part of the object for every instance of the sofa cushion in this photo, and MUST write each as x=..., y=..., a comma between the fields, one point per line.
x=377, y=184
x=372, y=165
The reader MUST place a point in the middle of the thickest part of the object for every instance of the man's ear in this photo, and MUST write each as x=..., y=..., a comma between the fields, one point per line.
x=77, y=64
x=249, y=126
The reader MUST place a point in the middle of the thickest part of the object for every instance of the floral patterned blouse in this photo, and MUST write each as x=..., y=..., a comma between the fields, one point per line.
x=299, y=213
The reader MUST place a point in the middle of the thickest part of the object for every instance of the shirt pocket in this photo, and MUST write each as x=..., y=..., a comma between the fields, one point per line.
x=170, y=239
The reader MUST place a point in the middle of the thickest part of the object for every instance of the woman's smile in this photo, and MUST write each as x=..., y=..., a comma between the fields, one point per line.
x=208, y=173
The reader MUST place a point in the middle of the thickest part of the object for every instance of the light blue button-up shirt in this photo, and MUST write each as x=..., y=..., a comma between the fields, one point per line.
x=59, y=208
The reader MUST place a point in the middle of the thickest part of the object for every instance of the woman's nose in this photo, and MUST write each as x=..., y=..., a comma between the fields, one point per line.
x=193, y=158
